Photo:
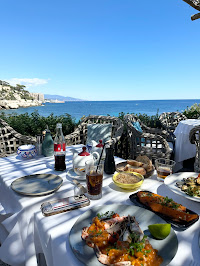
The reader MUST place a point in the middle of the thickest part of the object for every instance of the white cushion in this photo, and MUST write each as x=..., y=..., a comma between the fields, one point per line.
x=99, y=131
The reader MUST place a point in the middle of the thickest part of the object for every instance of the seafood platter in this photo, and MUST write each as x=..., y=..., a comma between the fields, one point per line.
x=171, y=211
x=190, y=185
x=118, y=235
x=186, y=184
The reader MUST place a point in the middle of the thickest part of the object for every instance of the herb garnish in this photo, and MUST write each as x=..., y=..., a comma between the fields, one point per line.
x=138, y=246
x=107, y=214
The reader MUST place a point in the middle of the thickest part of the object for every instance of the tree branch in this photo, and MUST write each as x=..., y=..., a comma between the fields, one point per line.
x=196, y=16
x=193, y=3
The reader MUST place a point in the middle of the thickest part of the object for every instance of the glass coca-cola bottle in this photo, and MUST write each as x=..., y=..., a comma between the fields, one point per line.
x=59, y=149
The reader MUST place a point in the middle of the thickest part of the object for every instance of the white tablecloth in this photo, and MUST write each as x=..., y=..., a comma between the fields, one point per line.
x=29, y=232
x=183, y=148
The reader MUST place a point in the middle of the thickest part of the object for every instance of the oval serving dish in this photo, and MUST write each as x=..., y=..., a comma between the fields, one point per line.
x=126, y=185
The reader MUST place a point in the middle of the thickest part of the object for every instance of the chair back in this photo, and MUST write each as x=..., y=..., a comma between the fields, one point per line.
x=10, y=140
x=79, y=136
x=117, y=125
x=148, y=141
x=170, y=120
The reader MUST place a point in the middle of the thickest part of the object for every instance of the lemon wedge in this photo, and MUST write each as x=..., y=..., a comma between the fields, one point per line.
x=160, y=231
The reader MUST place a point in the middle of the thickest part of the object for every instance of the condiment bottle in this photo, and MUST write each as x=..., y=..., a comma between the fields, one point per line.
x=59, y=149
x=47, y=144
x=109, y=164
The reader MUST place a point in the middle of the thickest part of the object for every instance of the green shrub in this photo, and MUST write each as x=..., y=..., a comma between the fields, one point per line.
x=34, y=123
x=150, y=121
x=193, y=111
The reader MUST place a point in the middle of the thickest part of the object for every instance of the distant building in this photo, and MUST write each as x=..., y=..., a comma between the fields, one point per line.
x=37, y=96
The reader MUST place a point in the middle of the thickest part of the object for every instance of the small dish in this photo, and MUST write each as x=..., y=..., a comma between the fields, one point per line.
x=27, y=151
x=73, y=175
x=128, y=186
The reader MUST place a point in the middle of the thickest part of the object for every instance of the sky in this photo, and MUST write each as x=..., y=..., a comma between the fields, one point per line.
x=101, y=49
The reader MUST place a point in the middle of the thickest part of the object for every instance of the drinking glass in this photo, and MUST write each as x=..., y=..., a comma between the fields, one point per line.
x=164, y=167
x=94, y=179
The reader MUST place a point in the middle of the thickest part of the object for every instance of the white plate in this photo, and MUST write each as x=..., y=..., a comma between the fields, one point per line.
x=37, y=184
x=73, y=175
x=171, y=180
x=167, y=248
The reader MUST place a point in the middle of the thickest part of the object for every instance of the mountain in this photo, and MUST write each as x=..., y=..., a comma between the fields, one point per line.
x=61, y=98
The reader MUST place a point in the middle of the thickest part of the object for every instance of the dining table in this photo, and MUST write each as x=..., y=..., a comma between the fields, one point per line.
x=25, y=233
x=184, y=150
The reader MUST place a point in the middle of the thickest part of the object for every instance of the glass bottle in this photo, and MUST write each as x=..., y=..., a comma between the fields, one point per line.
x=109, y=164
x=47, y=144
x=59, y=149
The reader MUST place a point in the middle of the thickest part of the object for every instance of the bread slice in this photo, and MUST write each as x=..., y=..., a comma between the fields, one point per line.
x=135, y=163
x=136, y=169
x=148, y=167
x=147, y=163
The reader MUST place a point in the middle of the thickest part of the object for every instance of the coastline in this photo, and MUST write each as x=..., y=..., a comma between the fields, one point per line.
x=15, y=104
x=78, y=109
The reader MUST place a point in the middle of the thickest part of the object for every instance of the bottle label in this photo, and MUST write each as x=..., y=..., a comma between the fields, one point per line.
x=59, y=147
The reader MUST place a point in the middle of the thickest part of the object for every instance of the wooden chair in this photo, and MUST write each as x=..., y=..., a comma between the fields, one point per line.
x=194, y=137
x=151, y=141
x=10, y=139
x=169, y=120
x=79, y=136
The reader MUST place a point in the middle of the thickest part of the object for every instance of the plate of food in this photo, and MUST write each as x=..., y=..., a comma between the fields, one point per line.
x=112, y=233
x=169, y=210
x=142, y=165
x=186, y=184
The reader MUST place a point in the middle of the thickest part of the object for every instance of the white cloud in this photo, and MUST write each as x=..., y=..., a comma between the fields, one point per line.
x=27, y=82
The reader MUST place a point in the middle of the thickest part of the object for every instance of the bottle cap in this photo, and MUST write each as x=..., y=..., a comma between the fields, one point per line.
x=100, y=144
x=47, y=130
x=84, y=152
x=58, y=125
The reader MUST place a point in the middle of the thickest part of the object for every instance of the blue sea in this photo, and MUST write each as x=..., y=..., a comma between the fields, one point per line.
x=113, y=108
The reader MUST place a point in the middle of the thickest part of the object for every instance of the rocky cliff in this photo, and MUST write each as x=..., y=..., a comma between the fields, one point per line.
x=14, y=97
